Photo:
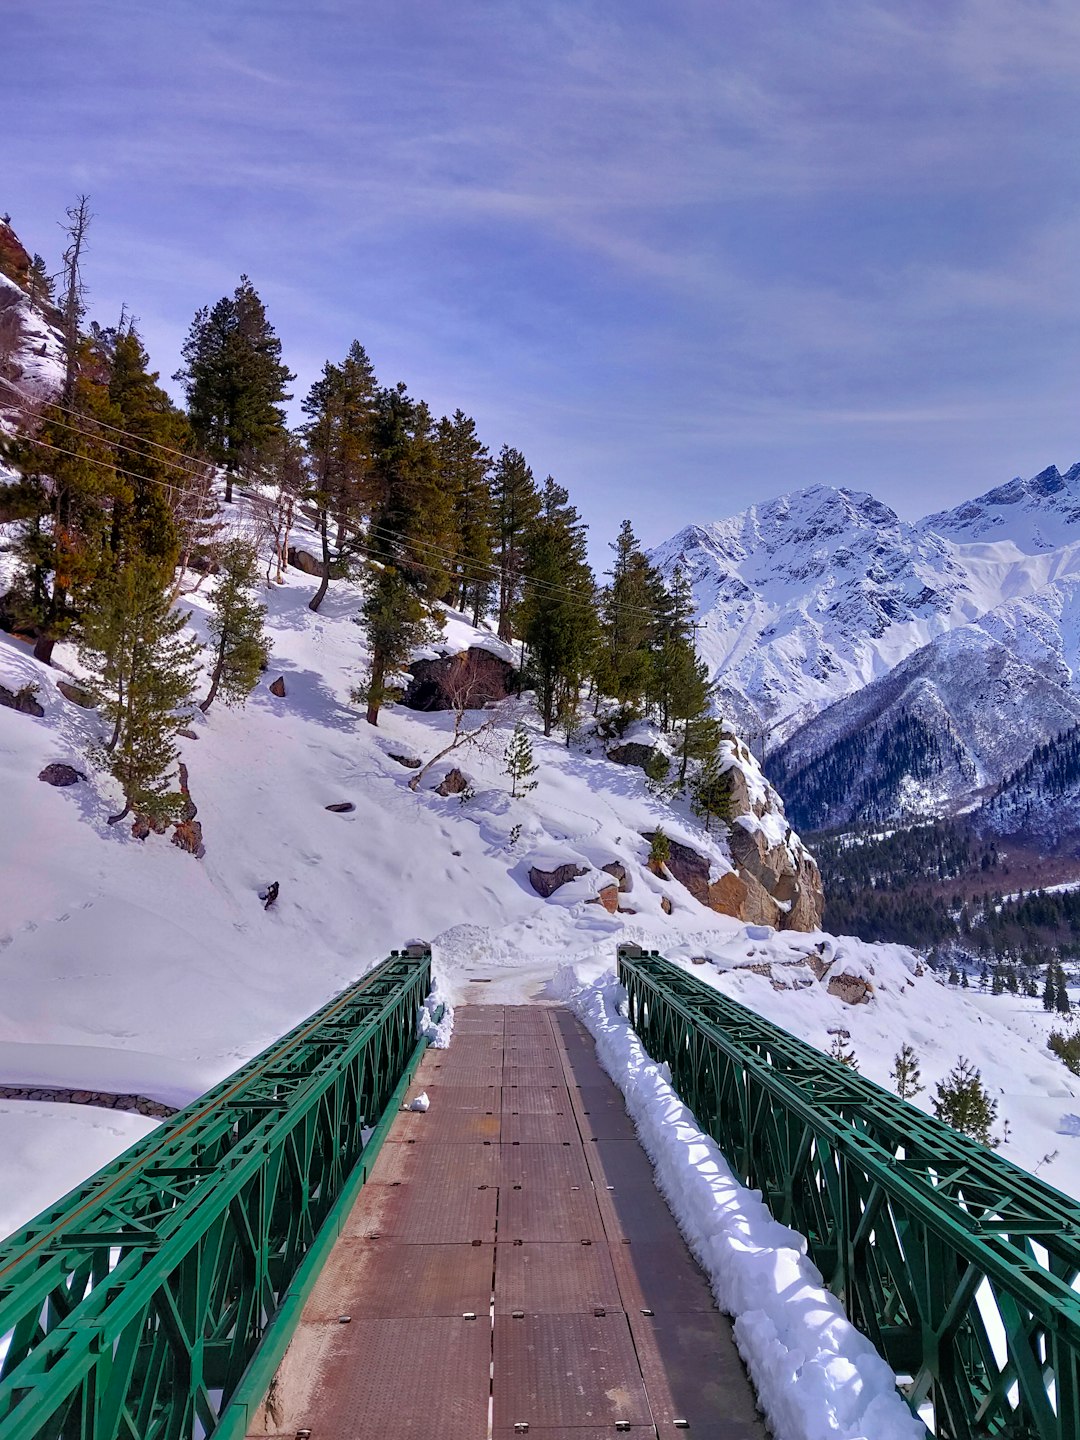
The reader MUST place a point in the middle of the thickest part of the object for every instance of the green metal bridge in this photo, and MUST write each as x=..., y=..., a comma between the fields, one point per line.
x=156, y=1301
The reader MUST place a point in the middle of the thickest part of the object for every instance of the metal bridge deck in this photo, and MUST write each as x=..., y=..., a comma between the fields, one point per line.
x=510, y=1269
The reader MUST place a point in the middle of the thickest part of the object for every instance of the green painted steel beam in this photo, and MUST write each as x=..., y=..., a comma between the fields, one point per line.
x=961, y=1267
x=135, y=1306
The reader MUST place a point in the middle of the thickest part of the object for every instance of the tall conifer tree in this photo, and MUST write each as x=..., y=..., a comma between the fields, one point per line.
x=464, y=465
x=235, y=380
x=517, y=505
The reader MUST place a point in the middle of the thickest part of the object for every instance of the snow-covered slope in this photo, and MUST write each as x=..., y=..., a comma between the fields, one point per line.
x=131, y=965
x=31, y=350
x=808, y=598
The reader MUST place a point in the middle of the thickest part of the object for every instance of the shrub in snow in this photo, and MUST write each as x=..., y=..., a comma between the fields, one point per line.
x=905, y=1072
x=963, y=1102
x=518, y=762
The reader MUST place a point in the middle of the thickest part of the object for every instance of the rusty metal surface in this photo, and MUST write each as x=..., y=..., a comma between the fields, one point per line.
x=692, y=1370
x=448, y=1127
x=542, y=1212
x=619, y=1162
x=483, y=1099
x=540, y=1129
x=545, y=1097
x=543, y=1166
x=554, y=1279
x=401, y=1379
x=384, y=1280
x=601, y=1116
x=660, y=1277
x=437, y=1165
x=566, y=1370
x=416, y=1214
x=525, y=1153
x=637, y=1213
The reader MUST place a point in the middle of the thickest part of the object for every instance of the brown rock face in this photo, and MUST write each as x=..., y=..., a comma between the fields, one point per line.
x=76, y=694
x=633, y=753
x=546, y=882
x=22, y=700
x=608, y=898
x=278, y=687
x=57, y=774
x=852, y=989
x=305, y=561
x=619, y=872
x=474, y=678
x=14, y=260
x=768, y=887
x=452, y=783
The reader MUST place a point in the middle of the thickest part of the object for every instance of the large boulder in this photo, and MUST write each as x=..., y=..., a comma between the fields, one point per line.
x=777, y=886
x=59, y=774
x=305, y=561
x=546, y=882
x=634, y=753
x=472, y=678
x=24, y=700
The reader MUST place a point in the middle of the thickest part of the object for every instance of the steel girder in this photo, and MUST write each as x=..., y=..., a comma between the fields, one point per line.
x=962, y=1268
x=132, y=1309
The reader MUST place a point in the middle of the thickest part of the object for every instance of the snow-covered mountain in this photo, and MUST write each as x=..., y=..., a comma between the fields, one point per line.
x=31, y=350
x=946, y=724
x=808, y=598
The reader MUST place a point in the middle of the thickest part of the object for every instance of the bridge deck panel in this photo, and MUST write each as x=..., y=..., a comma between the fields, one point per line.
x=468, y=1210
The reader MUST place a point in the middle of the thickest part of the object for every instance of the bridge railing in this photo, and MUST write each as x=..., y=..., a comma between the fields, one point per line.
x=155, y=1300
x=961, y=1267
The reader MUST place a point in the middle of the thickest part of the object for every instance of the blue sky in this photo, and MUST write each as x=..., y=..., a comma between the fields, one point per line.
x=684, y=255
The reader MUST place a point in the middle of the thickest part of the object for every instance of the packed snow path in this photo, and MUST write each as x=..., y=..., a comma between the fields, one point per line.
x=510, y=1264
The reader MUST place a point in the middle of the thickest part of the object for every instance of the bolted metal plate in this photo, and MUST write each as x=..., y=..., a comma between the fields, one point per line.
x=638, y=1213
x=618, y=1163
x=542, y=1212
x=602, y=1113
x=692, y=1370
x=535, y=1099
x=554, y=1279
x=724, y=1430
x=525, y=1129
x=448, y=1127
x=401, y=1379
x=415, y=1214
x=451, y=1072
x=580, y=1069
x=543, y=1166
x=661, y=1277
x=381, y=1280
x=436, y=1165
x=549, y=1073
x=566, y=1370
x=581, y=1432
x=482, y=1099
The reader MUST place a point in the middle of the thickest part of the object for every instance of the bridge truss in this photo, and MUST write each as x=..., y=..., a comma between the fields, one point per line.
x=155, y=1301
x=960, y=1267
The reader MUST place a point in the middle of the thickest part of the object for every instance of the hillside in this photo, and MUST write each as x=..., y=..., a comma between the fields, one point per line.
x=134, y=966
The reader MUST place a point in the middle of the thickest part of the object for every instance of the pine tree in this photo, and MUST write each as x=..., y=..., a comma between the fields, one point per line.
x=518, y=762
x=1049, y=995
x=659, y=852
x=340, y=407
x=840, y=1050
x=905, y=1073
x=632, y=607
x=410, y=519
x=142, y=673
x=236, y=627
x=517, y=505
x=558, y=615
x=464, y=467
x=963, y=1102
x=234, y=380
x=1061, y=997
x=712, y=792
x=40, y=286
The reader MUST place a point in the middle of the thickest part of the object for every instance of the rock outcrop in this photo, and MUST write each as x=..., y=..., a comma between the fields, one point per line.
x=472, y=678
x=61, y=775
x=305, y=561
x=634, y=752
x=546, y=882
x=24, y=701
x=775, y=880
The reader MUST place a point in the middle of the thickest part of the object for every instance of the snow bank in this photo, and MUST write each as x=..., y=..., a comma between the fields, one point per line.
x=816, y=1376
x=436, y=1028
